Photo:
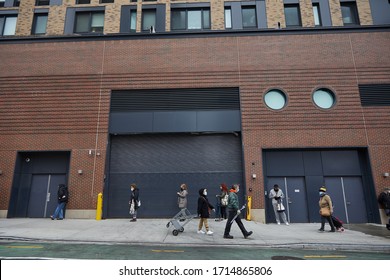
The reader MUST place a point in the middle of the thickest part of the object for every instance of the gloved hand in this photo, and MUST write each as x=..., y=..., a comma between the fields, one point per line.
x=238, y=212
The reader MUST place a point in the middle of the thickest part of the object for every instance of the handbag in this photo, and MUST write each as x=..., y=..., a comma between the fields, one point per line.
x=139, y=203
x=280, y=207
x=325, y=211
x=224, y=200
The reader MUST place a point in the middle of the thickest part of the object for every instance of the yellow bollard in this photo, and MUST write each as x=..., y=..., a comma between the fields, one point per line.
x=248, y=208
x=99, y=207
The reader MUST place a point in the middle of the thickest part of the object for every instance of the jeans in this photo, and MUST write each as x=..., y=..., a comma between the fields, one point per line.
x=59, y=212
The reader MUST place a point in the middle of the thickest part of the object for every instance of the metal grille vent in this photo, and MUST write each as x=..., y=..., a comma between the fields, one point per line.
x=175, y=99
x=375, y=95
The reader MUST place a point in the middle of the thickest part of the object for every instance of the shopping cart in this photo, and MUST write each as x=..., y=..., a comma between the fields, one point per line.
x=180, y=220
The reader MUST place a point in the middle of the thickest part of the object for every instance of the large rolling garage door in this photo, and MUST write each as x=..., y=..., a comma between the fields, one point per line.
x=159, y=163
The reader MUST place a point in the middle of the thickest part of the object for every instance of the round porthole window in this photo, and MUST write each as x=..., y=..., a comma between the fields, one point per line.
x=275, y=99
x=324, y=98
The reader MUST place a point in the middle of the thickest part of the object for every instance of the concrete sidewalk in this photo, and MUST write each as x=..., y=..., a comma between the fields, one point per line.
x=155, y=231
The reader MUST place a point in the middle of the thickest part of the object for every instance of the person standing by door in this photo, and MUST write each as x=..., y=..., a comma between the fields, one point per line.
x=384, y=200
x=134, y=202
x=276, y=195
x=62, y=196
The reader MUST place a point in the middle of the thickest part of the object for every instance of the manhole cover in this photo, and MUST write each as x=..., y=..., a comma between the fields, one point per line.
x=285, y=258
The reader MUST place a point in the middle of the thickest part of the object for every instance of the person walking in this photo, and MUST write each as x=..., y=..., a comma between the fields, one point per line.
x=384, y=200
x=182, y=196
x=276, y=195
x=223, y=202
x=134, y=202
x=204, y=211
x=234, y=214
x=326, y=210
x=62, y=198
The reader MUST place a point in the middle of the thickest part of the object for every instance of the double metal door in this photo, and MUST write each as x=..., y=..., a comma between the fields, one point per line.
x=43, y=194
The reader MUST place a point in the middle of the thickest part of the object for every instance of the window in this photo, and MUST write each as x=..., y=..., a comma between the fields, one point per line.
x=317, y=14
x=7, y=25
x=39, y=24
x=324, y=98
x=190, y=19
x=249, y=17
x=133, y=20
x=83, y=2
x=292, y=15
x=42, y=3
x=2, y=3
x=106, y=1
x=275, y=99
x=349, y=13
x=228, y=18
x=89, y=22
x=148, y=19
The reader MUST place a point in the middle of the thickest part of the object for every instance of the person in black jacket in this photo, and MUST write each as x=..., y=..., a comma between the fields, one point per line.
x=384, y=200
x=134, y=202
x=203, y=211
x=63, y=196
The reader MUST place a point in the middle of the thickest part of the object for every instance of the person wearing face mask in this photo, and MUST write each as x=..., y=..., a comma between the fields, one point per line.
x=276, y=195
x=204, y=212
x=234, y=214
x=134, y=202
x=326, y=210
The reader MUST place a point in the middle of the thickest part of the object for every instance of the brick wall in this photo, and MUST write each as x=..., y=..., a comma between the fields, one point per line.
x=55, y=95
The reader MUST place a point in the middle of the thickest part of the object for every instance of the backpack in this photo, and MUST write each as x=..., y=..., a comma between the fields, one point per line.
x=224, y=200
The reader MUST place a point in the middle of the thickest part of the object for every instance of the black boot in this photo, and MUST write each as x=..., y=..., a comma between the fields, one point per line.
x=248, y=234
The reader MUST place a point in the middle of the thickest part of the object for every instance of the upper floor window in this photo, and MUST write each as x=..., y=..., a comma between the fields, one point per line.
x=89, y=22
x=350, y=13
x=249, y=17
x=228, y=18
x=106, y=1
x=8, y=25
x=292, y=15
x=42, y=2
x=148, y=19
x=133, y=20
x=317, y=14
x=39, y=24
x=190, y=19
x=83, y=2
x=2, y=3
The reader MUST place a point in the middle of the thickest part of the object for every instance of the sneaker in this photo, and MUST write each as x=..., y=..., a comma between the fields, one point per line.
x=133, y=220
x=321, y=230
x=201, y=231
x=332, y=230
x=51, y=217
x=228, y=236
x=59, y=218
x=248, y=234
x=209, y=232
x=278, y=223
x=287, y=224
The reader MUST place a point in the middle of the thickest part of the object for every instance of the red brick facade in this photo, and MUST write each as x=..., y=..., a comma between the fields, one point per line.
x=55, y=95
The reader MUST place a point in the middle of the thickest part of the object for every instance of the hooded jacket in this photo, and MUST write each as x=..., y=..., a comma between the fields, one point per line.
x=203, y=205
x=63, y=194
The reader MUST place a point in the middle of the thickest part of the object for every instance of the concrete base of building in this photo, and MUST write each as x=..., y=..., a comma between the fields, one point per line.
x=3, y=214
x=258, y=215
x=80, y=214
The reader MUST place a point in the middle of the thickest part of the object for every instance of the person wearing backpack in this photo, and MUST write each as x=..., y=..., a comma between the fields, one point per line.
x=223, y=202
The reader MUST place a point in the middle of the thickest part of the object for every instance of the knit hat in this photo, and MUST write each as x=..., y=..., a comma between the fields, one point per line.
x=322, y=189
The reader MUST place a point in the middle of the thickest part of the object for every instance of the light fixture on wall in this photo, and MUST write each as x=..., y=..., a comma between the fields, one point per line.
x=254, y=176
x=386, y=174
x=80, y=171
x=90, y=152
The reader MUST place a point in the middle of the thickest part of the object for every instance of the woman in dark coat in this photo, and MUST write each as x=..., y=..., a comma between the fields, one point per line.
x=203, y=211
x=134, y=202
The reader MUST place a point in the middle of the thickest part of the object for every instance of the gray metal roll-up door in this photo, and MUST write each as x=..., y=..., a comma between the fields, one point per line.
x=160, y=163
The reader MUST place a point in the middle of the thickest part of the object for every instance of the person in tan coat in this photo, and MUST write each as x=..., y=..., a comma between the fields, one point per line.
x=326, y=210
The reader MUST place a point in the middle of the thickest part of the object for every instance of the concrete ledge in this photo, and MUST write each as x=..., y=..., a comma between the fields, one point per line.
x=3, y=214
x=80, y=214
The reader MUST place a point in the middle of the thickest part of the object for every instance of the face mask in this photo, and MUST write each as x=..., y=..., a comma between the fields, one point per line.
x=132, y=189
x=205, y=192
x=238, y=189
x=322, y=193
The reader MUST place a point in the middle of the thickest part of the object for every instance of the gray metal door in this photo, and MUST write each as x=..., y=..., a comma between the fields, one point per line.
x=158, y=164
x=295, y=198
x=43, y=194
x=348, y=198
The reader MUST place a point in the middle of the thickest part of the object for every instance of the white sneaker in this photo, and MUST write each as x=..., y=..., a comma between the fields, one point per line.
x=201, y=231
x=278, y=223
x=287, y=224
x=209, y=232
